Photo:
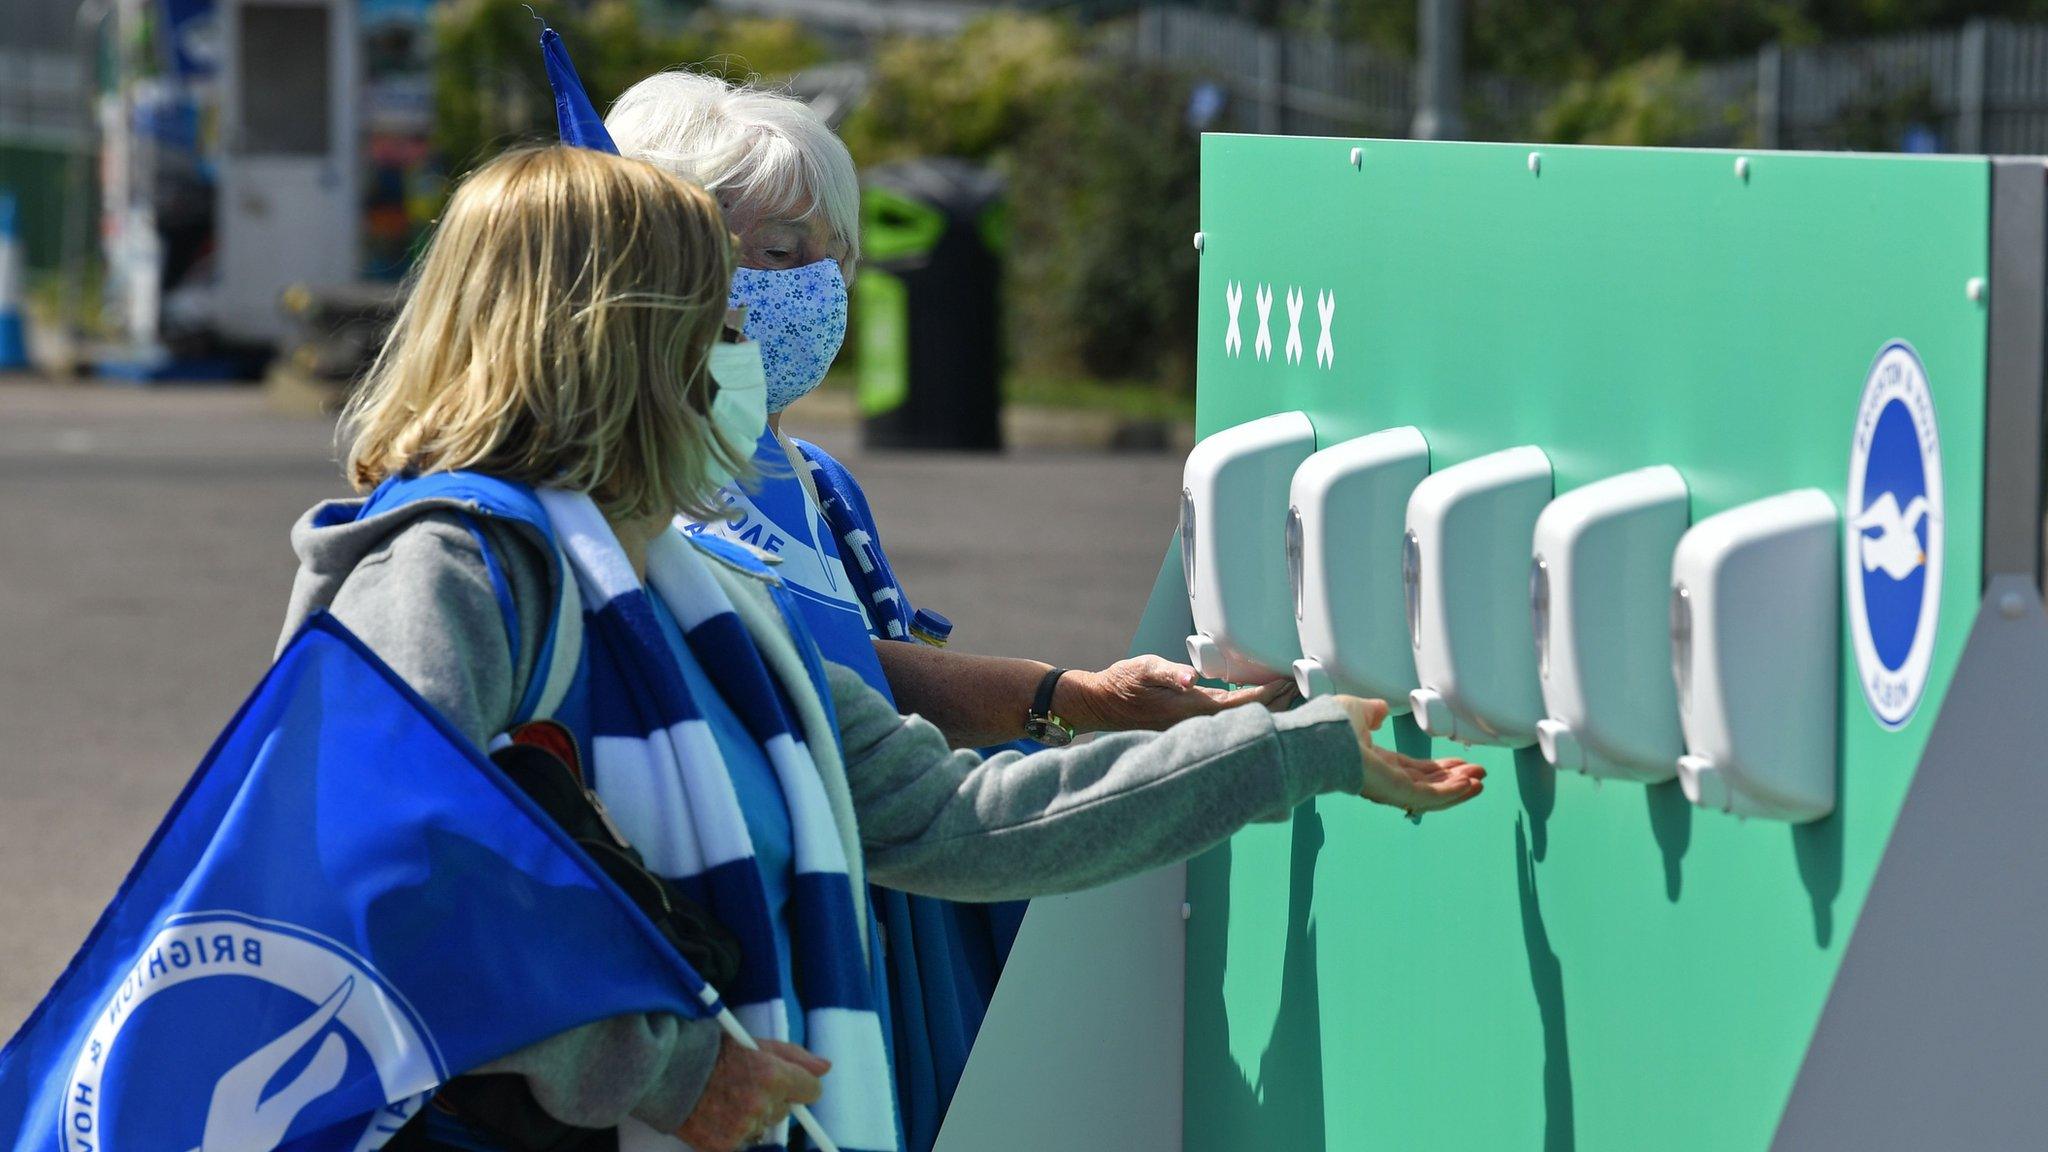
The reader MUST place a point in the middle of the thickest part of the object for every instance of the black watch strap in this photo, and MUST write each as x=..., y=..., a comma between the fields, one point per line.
x=1040, y=724
x=1041, y=702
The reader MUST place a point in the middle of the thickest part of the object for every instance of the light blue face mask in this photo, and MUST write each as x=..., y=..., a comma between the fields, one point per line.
x=739, y=410
x=798, y=315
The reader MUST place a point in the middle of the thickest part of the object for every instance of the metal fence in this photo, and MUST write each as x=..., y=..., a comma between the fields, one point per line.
x=43, y=99
x=1303, y=84
x=1980, y=88
x=1280, y=82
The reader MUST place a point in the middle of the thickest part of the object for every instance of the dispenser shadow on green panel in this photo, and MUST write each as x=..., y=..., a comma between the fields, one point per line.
x=1567, y=963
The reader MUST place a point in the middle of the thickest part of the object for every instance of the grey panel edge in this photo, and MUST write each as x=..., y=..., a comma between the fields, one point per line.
x=1084, y=1041
x=2017, y=365
x=1935, y=1034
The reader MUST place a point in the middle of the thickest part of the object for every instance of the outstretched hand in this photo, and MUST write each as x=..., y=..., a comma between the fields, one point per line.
x=1405, y=782
x=1150, y=693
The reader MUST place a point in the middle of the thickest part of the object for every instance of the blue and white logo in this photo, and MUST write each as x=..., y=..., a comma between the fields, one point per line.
x=227, y=1034
x=1893, y=550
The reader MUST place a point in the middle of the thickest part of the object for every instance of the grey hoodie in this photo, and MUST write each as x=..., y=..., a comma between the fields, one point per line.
x=413, y=584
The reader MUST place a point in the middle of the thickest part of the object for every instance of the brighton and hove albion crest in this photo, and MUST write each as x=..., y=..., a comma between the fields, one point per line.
x=1893, y=548
x=227, y=1034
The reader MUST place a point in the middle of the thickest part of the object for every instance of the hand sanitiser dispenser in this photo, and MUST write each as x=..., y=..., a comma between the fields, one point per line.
x=1755, y=592
x=1465, y=579
x=1233, y=514
x=1345, y=519
x=1598, y=581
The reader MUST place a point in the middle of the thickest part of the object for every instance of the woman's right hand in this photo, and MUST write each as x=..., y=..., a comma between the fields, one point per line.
x=751, y=1092
x=1405, y=782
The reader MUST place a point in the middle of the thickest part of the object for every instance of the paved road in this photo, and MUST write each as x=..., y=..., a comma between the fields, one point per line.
x=144, y=566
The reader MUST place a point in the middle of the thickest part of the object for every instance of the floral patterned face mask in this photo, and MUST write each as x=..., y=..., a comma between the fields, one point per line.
x=799, y=317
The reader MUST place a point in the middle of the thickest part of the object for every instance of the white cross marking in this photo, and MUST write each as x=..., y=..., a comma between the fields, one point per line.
x=1233, y=297
x=1326, y=307
x=1263, y=346
x=1294, y=325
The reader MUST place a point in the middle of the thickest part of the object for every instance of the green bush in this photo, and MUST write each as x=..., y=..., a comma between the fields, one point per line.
x=1650, y=102
x=1103, y=179
x=490, y=89
x=1106, y=201
x=971, y=95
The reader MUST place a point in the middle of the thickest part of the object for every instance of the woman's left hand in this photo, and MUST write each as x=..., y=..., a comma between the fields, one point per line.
x=1148, y=693
x=750, y=1092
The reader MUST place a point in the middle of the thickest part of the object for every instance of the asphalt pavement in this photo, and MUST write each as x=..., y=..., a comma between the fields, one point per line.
x=144, y=564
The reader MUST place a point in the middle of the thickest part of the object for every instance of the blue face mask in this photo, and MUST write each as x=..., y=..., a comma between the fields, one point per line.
x=798, y=315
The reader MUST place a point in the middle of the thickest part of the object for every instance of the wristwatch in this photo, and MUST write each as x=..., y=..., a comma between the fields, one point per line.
x=1040, y=724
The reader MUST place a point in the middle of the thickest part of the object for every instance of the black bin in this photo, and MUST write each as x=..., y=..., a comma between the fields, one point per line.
x=927, y=305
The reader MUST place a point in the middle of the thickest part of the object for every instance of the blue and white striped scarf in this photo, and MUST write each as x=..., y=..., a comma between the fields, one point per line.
x=845, y=509
x=658, y=769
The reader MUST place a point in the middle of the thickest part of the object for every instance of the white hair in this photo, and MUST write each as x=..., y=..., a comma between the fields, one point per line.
x=764, y=151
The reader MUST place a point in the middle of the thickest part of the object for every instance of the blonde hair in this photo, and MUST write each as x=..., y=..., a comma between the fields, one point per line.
x=765, y=151
x=556, y=332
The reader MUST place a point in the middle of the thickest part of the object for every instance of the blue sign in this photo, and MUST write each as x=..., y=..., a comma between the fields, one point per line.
x=1893, y=550
x=192, y=38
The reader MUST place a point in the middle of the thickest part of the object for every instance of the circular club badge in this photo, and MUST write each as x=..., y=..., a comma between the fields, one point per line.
x=235, y=1032
x=1892, y=554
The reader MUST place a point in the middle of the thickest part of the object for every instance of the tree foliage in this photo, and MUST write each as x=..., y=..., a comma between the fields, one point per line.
x=972, y=95
x=490, y=89
x=1103, y=185
x=1108, y=199
x=1574, y=39
x=1653, y=101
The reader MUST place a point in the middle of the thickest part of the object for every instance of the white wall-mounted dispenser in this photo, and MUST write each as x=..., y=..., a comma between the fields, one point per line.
x=1233, y=513
x=1345, y=521
x=1465, y=579
x=1754, y=600
x=1599, y=580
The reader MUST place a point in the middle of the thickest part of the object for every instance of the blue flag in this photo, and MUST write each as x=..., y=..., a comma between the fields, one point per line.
x=575, y=117
x=347, y=905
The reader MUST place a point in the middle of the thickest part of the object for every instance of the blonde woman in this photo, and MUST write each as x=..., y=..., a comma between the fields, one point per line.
x=555, y=391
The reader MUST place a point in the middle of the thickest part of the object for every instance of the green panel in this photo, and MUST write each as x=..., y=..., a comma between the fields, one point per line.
x=1563, y=964
x=884, y=315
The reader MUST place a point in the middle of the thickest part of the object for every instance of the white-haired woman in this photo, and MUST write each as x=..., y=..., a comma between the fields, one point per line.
x=789, y=191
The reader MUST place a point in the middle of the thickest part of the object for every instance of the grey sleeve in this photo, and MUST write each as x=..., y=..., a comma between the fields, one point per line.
x=425, y=603
x=948, y=823
x=651, y=1067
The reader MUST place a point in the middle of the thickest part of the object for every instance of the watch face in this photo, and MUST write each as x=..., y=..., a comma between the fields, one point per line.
x=1048, y=732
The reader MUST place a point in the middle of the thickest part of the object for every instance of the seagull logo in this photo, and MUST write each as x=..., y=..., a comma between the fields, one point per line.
x=1890, y=540
x=238, y=1034
x=241, y=1118
x=1893, y=535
